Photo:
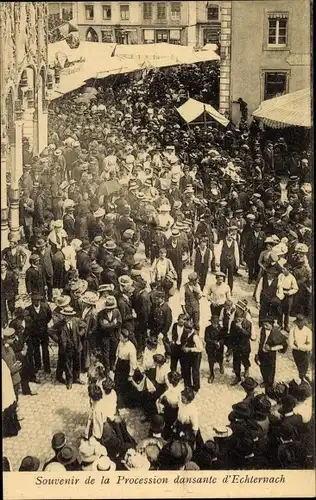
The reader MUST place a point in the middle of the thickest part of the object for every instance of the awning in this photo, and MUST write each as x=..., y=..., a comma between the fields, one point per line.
x=288, y=110
x=192, y=109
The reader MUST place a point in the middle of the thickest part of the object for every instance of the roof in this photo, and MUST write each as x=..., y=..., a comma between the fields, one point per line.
x=292, y=109
x=192, y=109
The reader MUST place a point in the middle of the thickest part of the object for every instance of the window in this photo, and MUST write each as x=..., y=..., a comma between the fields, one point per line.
x=106, y=36
x=277, y=31
x=66, y=12
x=147, y=11
x=149, y=36
x=124, y=9
x=91, y=35
x=275, y=84
x=176, y=11
x=89, y=12
x=162, y=36
x=107, y=12
x=213, y=13
x=161, y=11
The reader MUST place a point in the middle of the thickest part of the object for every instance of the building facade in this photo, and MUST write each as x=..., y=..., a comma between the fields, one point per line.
x=24, y=103
x=131, y=22
x=270, y=51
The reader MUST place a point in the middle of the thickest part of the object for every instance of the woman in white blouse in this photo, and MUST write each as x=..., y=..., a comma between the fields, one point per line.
x=125, y=365
x=168, y=403
x=187, y=424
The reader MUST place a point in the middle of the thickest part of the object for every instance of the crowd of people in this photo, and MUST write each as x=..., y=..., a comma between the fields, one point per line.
x=121, y=171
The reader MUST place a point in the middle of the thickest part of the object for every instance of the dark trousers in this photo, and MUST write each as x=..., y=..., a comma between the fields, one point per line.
x=202, y=273
x=253, y=267
x=301, y=360
x=194, y=314
x=72, y=365
x=190, y=367
x=49, y=290
x=175, y=357
x=179, y=271
x=228, y=268
x=267, y=367
x=11, y=304
x=286, y=306
x=60, y=366
x=216, y=310
x=240, y=358
x=38, y=345
x=215, y=357
x=108, y=347
x=140, y=336
x=267, y=309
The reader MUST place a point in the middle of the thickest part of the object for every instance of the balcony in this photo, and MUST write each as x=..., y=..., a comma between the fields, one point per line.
x=163, y=22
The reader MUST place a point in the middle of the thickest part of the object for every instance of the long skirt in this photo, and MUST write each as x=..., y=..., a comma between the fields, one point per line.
x=60, y=275
x=115, y=434
x=195, y=441
x=122, y=385
x=10, y=423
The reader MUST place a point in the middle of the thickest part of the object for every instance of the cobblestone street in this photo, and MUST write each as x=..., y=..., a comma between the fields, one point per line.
x=56, y=409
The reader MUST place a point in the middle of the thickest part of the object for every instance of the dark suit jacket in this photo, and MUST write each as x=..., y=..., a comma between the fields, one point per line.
x=109, y=277
x=46, y=261
x=38, y=322
x=107, y=327
x=142, y=307
x=9, y=286
x=270, y=341
x=240, y=336
x=69, y=226
x=253, y=245
x=126, y=310
x=35, y=280
x=83, y=264
x=160, y=319
x=78, y=330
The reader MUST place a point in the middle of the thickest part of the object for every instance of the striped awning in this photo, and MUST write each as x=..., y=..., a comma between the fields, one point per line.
x=294, y=109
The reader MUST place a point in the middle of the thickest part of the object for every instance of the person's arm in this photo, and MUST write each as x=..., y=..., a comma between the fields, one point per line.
x=294, y=286
x=217, y=252
x=132, y=360
x=307, y=347
x=198, y=345
x=168, y=322
x=259, y=290
x=260, y=261
x=28, y=281
x=228, y=293
x=97, y=423
x=195, y=421
x=236, y=254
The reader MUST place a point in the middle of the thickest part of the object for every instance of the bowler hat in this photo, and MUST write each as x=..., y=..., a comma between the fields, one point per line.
x=249, y=384
x=58, y=441
x=29, y=464
x=242, y=410
x=67, y=455
x=110, y=302
x=157, y=424
x=288, y=404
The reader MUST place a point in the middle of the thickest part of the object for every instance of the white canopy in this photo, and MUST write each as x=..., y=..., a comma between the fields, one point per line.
x=192, y=109
x=294, y=109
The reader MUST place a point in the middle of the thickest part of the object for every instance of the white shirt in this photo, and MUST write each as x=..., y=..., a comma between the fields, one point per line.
x=302, y=337
x=103, y=409
x=161, y=373
x=288, y=283
x=279, y=293
x=172, y=395
x=305, y=409
x=179, y=334
x=148, y=361
x=218, y=294
x=161, y=268
x=188, y=414
x=127, y=350
x=37, y=308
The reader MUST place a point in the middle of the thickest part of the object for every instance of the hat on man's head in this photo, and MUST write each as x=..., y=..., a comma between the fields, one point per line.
x=125, y=281
x=193, y=276
x=62, y=301
x=250, y=217
x=288, y=404
x=21, y=313
x=249, y=384
x=157, y=424
x=67, y=455
x=106, y=287
x=222, y=431
x=58, y=441
x=242, y=410
x=68, y=311
x=8, y=332
x=55, y=467
x=90, y=298
x=220, y=274
x=105, y=464
x=29, y=464
x=109, y=245
x=40, y=243
x=36, y=296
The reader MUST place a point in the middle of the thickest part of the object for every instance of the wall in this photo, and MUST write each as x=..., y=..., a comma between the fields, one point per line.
x=250, y=55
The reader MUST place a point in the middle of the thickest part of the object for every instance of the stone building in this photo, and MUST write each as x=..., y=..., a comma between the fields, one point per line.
x=268, y=51
x=24, y=104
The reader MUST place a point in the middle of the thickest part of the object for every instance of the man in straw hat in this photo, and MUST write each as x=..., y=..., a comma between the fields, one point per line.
x=240, y=336
x=70, y=332
x=109, y=323
x=89, y=317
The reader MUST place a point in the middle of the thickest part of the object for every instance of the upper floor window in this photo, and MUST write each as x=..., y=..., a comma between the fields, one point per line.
x=124, y=10
x=275, y=84
x=213, y=13
x=147, y=11
x=107, y=12
x=89, y=12
x=161, y=11
x=175, y=11
x=66, y=12
x=278, y=27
